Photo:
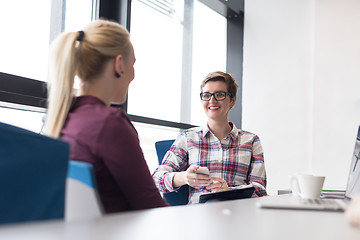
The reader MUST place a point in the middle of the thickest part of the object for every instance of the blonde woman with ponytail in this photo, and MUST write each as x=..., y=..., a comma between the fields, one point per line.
x=102, y=56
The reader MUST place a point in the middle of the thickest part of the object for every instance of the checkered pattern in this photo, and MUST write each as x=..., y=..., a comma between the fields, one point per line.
x=238, y=159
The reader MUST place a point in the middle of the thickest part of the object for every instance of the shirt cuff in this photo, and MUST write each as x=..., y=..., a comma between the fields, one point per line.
x=169, y=182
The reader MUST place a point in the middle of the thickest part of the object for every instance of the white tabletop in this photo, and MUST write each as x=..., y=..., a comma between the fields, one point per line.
x=238, y=219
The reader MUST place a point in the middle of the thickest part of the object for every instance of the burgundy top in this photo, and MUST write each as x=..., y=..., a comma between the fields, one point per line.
x=105, y=137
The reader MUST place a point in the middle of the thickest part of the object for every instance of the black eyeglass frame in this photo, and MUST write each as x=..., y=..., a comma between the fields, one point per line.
x=213, y=95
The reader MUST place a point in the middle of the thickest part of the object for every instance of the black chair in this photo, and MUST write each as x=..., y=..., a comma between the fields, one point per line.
x=181, y=197
x=33, y=171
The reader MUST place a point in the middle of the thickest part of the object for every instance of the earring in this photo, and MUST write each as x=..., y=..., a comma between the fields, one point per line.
x=117, y=75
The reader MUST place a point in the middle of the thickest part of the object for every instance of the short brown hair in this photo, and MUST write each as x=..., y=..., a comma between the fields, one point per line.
x=223, y=77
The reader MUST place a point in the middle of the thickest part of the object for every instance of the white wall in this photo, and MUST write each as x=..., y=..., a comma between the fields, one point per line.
x=300, y=82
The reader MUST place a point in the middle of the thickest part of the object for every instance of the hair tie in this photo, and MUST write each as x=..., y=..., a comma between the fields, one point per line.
x=81, y=36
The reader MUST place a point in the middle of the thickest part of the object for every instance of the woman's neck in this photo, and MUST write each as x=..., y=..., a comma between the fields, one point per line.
x=100, y=86
x=220, y=128
x=95, y=88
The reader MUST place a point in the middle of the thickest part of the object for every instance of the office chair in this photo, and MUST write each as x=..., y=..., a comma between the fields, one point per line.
x=32, y=175
x=82, y=197
x=181, y=197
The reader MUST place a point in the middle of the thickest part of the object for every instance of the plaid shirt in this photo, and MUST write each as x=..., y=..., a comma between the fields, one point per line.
x=238, y=159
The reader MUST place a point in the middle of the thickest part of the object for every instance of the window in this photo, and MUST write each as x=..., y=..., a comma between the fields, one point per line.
x=173, y=41
x=27, y=29
x=157, y=40
x=78, y=14
x=148, y=135
x=209, y=53
x=31, y=120
x=176, y=44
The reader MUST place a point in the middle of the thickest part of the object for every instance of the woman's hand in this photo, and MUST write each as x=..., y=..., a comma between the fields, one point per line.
x=191, y=178
x=218, y=184
x=196, y=179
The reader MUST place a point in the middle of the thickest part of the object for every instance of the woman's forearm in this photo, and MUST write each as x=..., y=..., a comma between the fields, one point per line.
x=179, y=179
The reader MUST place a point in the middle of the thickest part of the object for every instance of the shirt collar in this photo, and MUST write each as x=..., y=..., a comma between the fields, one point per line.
x=233, y=133
x=84, y=100
x=205, y=130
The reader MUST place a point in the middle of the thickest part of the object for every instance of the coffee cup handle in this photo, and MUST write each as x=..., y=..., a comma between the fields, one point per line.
x=294, y=185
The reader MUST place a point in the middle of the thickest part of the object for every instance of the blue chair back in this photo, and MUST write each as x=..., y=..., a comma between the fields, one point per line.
x=83, y=172
x=82, y=197
x=33, y=172
x=181, y=197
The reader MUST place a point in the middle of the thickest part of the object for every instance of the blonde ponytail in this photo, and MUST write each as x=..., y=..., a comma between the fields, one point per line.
x=62, y=69
x=82, y=53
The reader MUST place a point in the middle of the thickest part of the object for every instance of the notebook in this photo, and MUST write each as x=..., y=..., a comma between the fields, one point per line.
x=352, y=188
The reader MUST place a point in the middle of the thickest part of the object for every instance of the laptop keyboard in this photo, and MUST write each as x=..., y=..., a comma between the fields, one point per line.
x=299, y=203
x=325, y=203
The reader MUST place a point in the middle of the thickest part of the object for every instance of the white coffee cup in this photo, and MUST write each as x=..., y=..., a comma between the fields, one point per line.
x=307, y=186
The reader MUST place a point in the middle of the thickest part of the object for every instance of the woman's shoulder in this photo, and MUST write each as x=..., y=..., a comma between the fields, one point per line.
x=103, y=117
x=244, y=132
x=193, y=129
x=116, y=118
x=117, y=129
x=241, y=133
x=93, y=107
x=118, y=113
x=186, y=135
x=247, y=135
x=192, y=132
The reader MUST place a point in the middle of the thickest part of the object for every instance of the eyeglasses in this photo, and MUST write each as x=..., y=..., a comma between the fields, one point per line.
x=219, y=96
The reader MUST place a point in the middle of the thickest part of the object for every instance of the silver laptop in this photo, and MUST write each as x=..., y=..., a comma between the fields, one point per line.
x=352, y=188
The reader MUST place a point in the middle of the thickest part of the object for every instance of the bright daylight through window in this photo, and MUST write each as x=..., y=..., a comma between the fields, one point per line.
x=176, y=44
x=25, y=51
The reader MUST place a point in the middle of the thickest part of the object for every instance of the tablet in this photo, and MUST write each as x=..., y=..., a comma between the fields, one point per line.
x=231, y=194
